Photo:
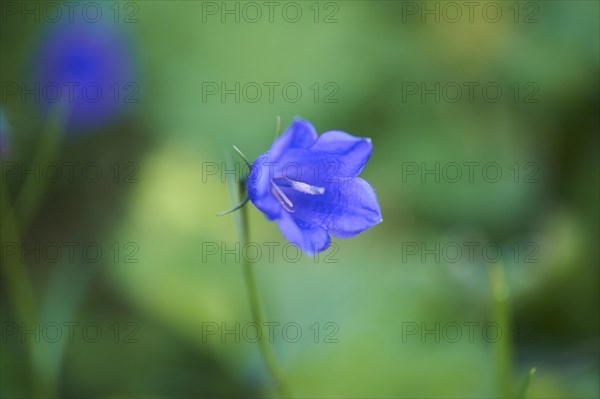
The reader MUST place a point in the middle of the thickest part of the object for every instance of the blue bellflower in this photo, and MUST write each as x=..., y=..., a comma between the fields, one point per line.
x=309, y=185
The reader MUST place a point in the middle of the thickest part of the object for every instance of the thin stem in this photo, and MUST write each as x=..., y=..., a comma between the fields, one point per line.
x=16, y=221
x=258, y=314
x=525, y=387
x=501, y=316
x=16, y=281
x=30, y=196
x=21, y=295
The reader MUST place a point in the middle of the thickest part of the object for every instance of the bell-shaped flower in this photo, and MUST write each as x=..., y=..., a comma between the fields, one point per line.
x=309, y=185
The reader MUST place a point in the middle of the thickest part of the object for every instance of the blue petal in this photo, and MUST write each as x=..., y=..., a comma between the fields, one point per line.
x=346, y=208
x=352, y=153
x=300, y=134
x=310, y=238
x=335, y=156
x=358, y=211
x=259, y=188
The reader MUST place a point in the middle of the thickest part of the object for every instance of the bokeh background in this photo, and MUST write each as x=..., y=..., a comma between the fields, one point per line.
x=157, y=130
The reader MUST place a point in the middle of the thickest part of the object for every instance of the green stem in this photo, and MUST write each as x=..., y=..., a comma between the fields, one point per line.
x=258, y=315
x=16, y=221
x=30, y=196
x=16, y=281
x=525, y=387
x=501, y=315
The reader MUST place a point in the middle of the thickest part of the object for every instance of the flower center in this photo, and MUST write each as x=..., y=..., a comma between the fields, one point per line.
x=301, y=187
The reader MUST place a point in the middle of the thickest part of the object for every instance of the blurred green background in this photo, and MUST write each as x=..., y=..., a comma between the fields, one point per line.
x=362, y=57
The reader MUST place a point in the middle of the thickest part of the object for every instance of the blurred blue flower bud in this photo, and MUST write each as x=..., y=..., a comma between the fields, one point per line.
x=88, y=68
